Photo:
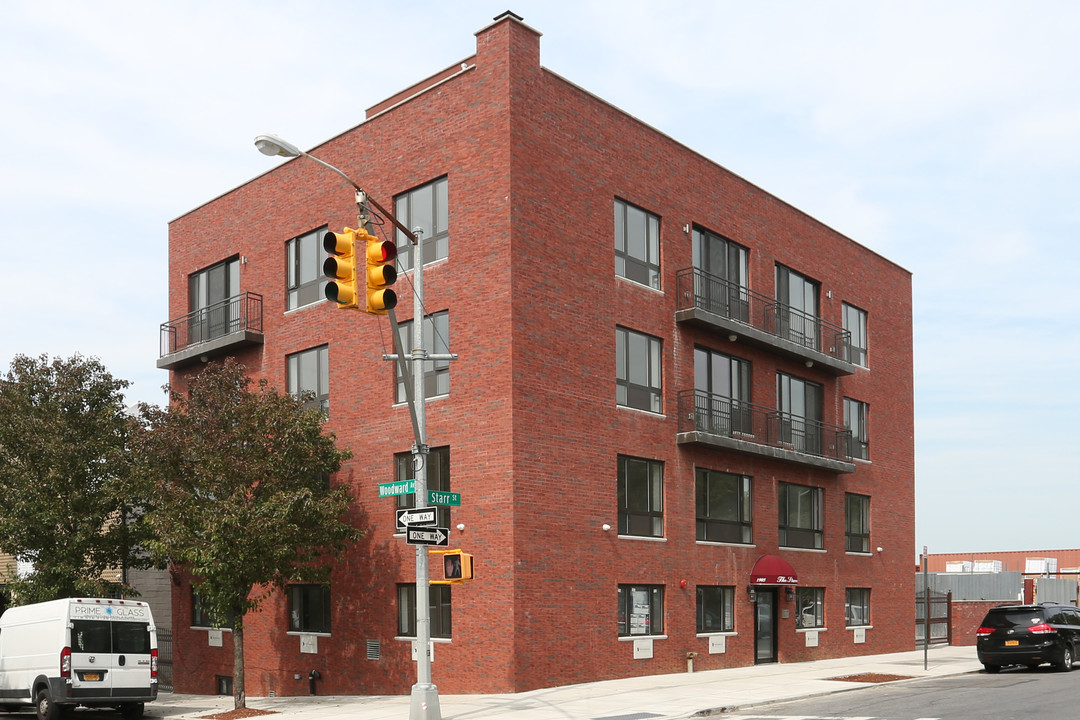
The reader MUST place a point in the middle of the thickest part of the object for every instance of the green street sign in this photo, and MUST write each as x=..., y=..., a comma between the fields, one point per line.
x=438, y=497
x=396, y=488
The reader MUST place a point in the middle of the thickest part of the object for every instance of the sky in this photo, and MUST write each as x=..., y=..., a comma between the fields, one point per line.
x=944, y=135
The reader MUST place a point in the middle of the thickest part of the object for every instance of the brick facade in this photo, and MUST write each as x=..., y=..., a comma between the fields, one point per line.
x=534, y=165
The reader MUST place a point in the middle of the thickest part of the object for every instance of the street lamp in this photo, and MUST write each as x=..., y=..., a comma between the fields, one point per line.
x=424, y=700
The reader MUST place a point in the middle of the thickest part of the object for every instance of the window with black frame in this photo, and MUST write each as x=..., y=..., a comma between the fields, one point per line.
x=802, y=523
x=715, y=608
x=438, y=610
x=641, y=610
x=428, y=208
x=857, y=606
x=309, y=608
x=809, y=607
x=857, y=522
x=856, y=421
x=637, y=245
x=304, y=279
x=438, y=478
x=721, y=393
x=721, y=285
x=436, y=340
x=640, y=497
x=855, y=323
x=638, y=371
x=724, y=507
x=308, y=372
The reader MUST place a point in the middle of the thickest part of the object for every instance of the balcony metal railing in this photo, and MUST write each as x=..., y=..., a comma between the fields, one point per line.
x=700, y=290
x=704, y=412
x=240, y=312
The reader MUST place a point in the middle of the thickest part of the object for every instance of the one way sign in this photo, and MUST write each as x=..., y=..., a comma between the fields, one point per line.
x=428, y=536
x=416, y=517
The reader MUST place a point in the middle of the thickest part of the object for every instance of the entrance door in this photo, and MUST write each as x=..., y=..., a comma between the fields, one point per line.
x=765, y=626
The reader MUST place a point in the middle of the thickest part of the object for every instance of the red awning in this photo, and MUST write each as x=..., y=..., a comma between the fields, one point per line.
x=771, y=570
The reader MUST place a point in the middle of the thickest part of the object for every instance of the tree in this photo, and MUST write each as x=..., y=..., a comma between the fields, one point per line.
x=64, y=478
x=237, y=484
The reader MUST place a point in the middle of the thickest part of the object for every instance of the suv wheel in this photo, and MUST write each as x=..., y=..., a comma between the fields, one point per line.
x=992, y=668
x=1066, y=659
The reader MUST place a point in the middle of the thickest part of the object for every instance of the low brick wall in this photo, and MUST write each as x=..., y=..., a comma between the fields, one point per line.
x=966, y=617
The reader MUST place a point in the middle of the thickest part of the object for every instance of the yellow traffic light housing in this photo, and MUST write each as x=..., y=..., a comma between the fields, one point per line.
x=340, y=267
x=457, y=567
x=380, y=274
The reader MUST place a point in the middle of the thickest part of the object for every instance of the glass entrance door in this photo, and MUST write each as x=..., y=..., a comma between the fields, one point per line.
x=765, y=626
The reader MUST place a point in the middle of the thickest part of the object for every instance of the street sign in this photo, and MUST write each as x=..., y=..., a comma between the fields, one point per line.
x=428, y=536
x=396, y=488
x=438, y=497
x=416, y=517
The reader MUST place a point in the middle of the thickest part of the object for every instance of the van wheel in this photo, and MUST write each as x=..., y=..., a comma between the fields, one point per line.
x=1066, y=659
x=132, y=711
x=45, y=708
x=992, y=668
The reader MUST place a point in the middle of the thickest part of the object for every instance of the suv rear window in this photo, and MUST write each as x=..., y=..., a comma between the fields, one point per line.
x=1014, y=618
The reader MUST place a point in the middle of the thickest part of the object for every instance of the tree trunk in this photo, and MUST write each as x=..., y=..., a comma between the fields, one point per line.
x=239, y=694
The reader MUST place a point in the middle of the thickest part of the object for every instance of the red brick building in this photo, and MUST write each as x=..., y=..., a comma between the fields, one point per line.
x=680, y=421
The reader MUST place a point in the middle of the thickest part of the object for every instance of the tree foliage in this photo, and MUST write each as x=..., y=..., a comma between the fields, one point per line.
x=68, y=506
x=237, y=485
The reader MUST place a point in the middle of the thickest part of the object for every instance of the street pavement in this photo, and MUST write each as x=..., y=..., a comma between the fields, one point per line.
x=655, y=697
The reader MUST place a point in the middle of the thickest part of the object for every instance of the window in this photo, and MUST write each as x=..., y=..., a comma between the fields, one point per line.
x=801, y=517
x=641, y=610
x=436, y=340
x=855, y=323
x=304, y=281
x=438, y=610
x=857, y=522
x=212, y=314
x=438, y=478
x=309, y=372
x=637, y=370
x=721, y=285
x=309, y=608
x=202, y=617
x=110, y=636
x=428, y=208
x=722, y=393
x=797, y=308
x=809, y=607
x=855, y=419
x=637, y=245
x=799, y=402
x=641, y=497
x=857, y=606
x=723, y=507
x=715, y=609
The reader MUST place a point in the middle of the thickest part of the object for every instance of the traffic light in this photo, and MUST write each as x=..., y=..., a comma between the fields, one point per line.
x=340, y=267
x=457, y=565
x=380, y=274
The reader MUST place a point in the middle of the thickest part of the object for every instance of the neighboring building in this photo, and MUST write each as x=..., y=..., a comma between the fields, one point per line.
x=1032, y=563
x=681, y=420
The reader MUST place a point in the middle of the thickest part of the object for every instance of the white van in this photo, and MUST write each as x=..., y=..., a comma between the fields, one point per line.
x=96, y=652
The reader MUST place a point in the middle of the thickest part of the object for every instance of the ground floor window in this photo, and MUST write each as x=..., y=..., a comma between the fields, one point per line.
x=715, y=609
x=438, y=610
x=810, y=607
x=857, y=606
x=309, y=608
x=641, y=610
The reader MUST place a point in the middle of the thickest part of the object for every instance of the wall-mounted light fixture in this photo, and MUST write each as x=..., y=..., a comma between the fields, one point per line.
x=605, y=527
x=751, y=593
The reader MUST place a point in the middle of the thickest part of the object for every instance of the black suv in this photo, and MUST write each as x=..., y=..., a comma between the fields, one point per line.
x=1029, y=635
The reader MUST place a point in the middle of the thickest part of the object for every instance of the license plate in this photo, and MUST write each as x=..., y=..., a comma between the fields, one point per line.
x=1012, y=643
x=92, y=677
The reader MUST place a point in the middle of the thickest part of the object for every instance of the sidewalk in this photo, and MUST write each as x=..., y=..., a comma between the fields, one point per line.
x=656, y=697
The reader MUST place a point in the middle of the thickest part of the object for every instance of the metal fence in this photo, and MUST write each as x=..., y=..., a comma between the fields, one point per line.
x=940, y=622
x=242, y=312
x=165, y=659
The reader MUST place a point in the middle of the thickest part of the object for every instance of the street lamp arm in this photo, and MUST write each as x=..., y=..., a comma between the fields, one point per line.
x=273, y=145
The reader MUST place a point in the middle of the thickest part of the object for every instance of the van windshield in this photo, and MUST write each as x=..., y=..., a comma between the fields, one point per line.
x=103, y=636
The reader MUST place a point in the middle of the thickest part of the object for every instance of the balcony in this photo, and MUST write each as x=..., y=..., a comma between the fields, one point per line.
x=214, y=330
x=722, y=306
x=720, y=422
